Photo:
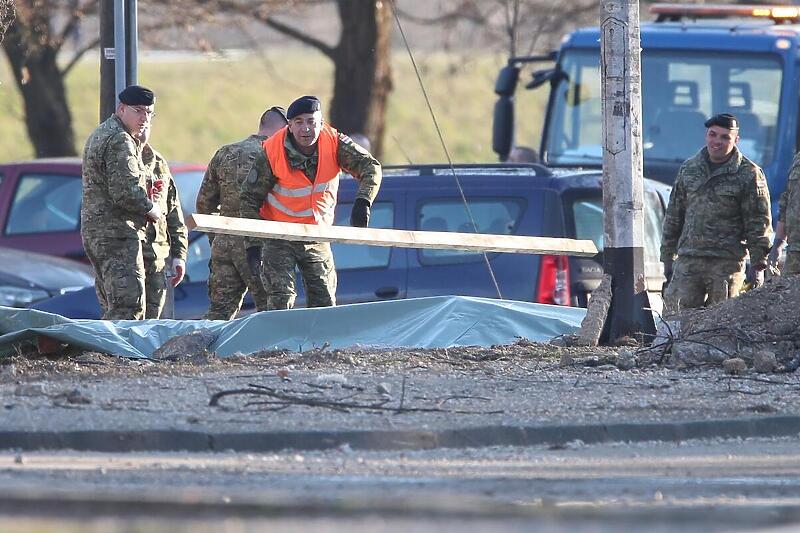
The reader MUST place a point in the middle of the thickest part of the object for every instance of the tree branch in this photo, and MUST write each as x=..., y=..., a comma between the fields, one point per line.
x=77, y=14
x=300, y=36
x=78, y=54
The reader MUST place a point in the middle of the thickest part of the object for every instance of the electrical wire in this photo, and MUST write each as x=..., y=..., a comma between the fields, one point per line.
x=441, y=140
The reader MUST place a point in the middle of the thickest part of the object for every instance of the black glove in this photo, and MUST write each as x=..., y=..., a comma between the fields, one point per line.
x=359, y=216
x=254, y=260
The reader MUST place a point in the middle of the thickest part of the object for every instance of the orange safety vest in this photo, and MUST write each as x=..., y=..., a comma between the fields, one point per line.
x=294, y=198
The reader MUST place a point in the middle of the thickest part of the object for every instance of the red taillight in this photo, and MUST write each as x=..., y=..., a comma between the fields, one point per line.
x=553, y=280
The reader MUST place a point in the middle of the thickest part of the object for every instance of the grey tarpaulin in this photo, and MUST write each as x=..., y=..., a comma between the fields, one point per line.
x=435, y=322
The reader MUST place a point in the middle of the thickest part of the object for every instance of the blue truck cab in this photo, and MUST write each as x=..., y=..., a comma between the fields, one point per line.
x=696, y=61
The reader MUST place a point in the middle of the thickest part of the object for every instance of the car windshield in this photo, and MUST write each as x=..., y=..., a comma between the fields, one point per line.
x=680, y=91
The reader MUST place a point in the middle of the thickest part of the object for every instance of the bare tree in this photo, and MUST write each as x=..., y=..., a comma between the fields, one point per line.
x=35, y=40
x=33, y=43
x=518, y=26
x=362, y=65
x=6, y=16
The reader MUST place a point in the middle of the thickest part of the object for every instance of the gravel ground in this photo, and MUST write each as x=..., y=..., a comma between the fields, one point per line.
x=517, y=385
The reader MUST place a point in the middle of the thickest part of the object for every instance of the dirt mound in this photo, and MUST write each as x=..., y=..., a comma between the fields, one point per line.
x=757, y=325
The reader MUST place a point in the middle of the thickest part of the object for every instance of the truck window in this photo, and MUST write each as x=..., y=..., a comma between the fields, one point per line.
x=45, y=203
x=353, y=256
x=680, y=90
x=498, y=216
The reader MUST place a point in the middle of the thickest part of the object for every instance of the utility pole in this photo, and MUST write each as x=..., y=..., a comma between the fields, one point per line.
x=623, y=197
x=119, y=38
x=108, y=98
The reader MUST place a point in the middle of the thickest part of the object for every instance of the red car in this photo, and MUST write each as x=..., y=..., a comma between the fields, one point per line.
x=40, y=203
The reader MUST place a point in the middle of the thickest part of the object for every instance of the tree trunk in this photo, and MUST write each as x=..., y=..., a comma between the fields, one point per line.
x=363, y=75
x=41, y=84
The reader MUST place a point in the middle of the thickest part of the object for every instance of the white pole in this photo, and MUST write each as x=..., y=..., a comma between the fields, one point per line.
x=623, y=199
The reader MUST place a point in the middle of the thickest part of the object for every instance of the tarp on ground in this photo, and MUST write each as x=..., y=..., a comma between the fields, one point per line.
x=436, y=322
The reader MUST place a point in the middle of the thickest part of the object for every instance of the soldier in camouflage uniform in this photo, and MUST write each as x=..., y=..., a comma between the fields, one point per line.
x=230, y=276
x=719, y=210
x=115, y=208
x=165, y=238
x=295, y=179
x=788, y=226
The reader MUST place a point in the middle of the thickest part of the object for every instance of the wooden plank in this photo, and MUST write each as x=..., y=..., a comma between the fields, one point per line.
x=475, y=242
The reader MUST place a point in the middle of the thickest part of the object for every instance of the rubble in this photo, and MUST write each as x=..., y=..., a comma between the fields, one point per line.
x=760, y=328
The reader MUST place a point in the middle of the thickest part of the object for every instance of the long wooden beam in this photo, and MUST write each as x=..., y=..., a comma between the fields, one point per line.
x=474, y=242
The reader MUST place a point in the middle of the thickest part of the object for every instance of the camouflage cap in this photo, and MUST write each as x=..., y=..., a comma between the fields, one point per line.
x=723, y=120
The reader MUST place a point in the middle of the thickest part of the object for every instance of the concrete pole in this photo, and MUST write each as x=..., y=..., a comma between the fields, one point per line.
x=108, y=98
x=623, y=198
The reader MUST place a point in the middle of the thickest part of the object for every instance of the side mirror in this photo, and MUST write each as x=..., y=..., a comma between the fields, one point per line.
x=507, y=80
x=503, y=127
x=540, y=77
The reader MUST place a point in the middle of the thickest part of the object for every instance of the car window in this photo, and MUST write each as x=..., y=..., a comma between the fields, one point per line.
x=45, y=203
x=197, y=256
x=188, y=185
x=587, y=214
x=352, y=256
x=653, y=224
x=498, y=216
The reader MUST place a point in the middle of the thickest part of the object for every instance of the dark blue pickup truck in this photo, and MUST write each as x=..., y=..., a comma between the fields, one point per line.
x=503, y=200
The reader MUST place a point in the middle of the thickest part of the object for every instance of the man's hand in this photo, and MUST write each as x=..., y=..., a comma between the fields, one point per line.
x=755, y=274
x=179, y=271
x=359, y=216
x=154, y=214
x=775, y=252
x=254, y=260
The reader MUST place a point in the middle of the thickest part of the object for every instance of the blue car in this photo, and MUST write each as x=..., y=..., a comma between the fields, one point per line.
x=526, y=199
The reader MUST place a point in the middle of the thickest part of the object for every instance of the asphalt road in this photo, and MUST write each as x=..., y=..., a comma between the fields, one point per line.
x=693, y=486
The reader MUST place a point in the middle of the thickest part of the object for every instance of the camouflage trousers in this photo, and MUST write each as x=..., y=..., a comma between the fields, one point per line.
x=699, y=281
x=155, y=285
x=315, y=262
x=792, y=265
x=230, y=278
x=119, y=276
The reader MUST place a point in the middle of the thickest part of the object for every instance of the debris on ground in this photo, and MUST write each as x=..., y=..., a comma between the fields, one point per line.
x=761, y=328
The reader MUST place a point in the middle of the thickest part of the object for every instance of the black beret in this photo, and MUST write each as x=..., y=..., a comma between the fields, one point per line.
x=304, y=104
x=137, y=95
x=723, y=120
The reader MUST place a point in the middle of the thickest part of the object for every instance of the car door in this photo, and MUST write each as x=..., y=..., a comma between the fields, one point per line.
x=43, y=213
x=435, y=272
x=368, y=273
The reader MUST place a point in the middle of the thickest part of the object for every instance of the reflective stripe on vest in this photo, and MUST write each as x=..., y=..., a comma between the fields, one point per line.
x=294, y=198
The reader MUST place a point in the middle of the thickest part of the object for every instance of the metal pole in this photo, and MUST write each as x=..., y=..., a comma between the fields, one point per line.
x=119, y=47
x=132, y=49
x=108, y=97
x=623, y=198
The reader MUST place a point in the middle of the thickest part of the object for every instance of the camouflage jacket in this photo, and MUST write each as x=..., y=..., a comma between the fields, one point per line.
x=219, y=192
x=115, y=200
x=789, y=203
x=718, y=214
x=167, y=237
x=352, y=158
